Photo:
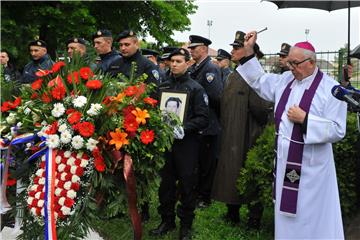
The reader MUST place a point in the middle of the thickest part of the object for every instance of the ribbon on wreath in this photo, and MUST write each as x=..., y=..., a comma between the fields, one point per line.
x=50, y=166
x=130, y=180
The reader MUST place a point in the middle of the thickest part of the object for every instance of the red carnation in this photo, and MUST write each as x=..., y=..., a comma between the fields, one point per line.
x=57, y=207
x=147, y=136
x=42, y=73
x=63, y=193
x=34, y=96
x=86, y=129
x=32, y=193
x=58, y=92
x=61, y=184
x=69, y=202
x=74, y=117
x=99, y=164
x=70, y=110
x=85, y=156
x=67, y=168
x=56, y=67
x=150, y=101
x=86, y=73
x=94, y=84
x=79, y=171
x=38, y=211
x=130, y=123
x=39, y=188
x=42, y=195
x=45, y=98
x=36, y=85
x=68, y=177
x=6, y=106
x=73, y=75
x=35, y=202
x=42, y=165
x=52, y=129
x=131, y=90
x=127, y=110
x=77, y=162
x=75, y=186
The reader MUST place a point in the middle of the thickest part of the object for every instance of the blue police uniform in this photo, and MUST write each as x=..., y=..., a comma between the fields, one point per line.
x=109, y=62
x=44, y=63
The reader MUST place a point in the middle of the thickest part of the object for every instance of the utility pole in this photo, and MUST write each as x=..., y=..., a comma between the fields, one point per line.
x=209, y=23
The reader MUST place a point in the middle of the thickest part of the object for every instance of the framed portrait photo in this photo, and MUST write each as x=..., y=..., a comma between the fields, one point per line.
x=174, y=101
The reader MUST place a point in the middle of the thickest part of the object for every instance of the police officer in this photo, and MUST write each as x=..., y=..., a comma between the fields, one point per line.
x=182, y=160
x=165, y=57
x=78, y=46
x=209, y=76
x=153, y=55
x=223, y=58
x=103, y=46
x=129, y=49
x=40, y=60
x=283, y=57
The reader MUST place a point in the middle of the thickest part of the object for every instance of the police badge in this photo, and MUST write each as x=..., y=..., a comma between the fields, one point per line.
x=210, y=77
x=156, y=74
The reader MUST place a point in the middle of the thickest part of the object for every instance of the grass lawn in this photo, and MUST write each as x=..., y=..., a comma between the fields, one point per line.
x=208, y=225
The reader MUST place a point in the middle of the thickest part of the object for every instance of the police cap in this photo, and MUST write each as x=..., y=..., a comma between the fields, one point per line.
x=285, y=49
x=125, y=34
x=166, y=52
x=182, y=52
x=196, y=40
x=76, y=40
x=37, y=43
x=102, y=33
x=239, y=39
x=149, y=52
x=222, y=54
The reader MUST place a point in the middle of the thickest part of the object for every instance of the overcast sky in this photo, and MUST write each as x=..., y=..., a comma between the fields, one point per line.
x=328, y=30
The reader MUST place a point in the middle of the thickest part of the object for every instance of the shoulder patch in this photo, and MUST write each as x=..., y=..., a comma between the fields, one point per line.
x=156, y=74
x=210, y=77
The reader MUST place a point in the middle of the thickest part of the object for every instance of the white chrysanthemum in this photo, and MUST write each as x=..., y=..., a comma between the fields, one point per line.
x=30, y=200
x=40, y=203
x=42, y=181
x=58, y=110
x=37, y=195
x=71, y=194
x=63, y=127
x=73, y=169
x=39, y=172
x=65, y=210
x=33, y=211
x=43, y=212
x=58, y=191
x=61, y=201
x=33, y=187
x=77, y=142
x=61, y=167
x=53, y=141
x=62, y=176
x=58, y=159
x=91, y=144
x=67, y=185
x=84, y=163
x=95, y=109
x=65, y=137
x=67, y=154
x=56, y=182
x=75, y=178
x=79, y=102
x=71, y=161
x=79, y=155
x=11, y=119
x=19, y=124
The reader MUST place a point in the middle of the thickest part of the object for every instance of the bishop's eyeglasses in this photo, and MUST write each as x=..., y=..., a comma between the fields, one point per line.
x=295, y=64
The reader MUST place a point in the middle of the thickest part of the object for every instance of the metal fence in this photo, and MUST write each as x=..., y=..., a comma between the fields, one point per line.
x=330, y=63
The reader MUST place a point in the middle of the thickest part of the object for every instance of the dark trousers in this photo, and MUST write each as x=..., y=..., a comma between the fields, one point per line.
x=209, y=148
x=181, y=165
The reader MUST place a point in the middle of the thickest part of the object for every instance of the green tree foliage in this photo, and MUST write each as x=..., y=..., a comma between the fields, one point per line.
x=57, y=21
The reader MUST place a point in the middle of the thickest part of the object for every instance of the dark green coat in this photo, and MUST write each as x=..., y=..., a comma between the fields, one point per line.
x=243, y=115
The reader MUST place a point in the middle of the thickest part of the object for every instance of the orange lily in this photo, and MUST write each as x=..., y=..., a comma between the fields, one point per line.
x=118, y=138
x=140, y=115
x=119, y=97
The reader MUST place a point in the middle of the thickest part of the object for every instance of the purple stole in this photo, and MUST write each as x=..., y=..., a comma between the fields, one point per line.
x=291, y=183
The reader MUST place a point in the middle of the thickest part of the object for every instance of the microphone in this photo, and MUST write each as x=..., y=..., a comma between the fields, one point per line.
x=343, y=94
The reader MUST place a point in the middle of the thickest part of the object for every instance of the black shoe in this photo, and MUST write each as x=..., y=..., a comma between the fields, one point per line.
x=185, y=233
x=162, y=229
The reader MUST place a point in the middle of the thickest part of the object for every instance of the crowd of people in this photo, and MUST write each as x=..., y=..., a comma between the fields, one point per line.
x=226, y=112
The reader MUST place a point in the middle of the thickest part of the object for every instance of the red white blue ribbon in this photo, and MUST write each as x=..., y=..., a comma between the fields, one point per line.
x=50, y=226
